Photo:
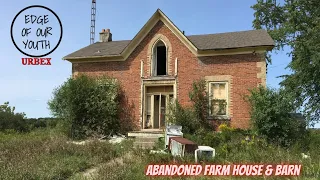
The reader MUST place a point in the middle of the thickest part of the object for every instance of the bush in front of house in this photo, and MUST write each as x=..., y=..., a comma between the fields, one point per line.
x=200, y=103
x=184, y=117
x=89, y=106
x=193, y=119
x=271, y=116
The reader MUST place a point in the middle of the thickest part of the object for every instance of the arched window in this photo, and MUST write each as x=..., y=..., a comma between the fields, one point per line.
x=159, y=60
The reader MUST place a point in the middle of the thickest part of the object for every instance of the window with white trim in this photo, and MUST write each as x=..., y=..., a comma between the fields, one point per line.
x=218, y=93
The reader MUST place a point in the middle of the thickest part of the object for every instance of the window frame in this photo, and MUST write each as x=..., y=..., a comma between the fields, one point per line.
x=210, y=83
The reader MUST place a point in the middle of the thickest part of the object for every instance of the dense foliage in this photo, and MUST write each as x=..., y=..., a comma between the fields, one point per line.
x=296, y=24
x=89, y=106
x=36, y=123
x=184, y=117
x=9, y=120
x=232, y=146
x=192, y=119
x=200, y=102
x=272, y=116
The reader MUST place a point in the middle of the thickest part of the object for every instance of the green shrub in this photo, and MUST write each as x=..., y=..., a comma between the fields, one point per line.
x=90, y=105
x=160, y=144
x=200, y=103
x=271, y=116
x=184, y=117
x=309, y=143
x=192, y=119
x=212, y=139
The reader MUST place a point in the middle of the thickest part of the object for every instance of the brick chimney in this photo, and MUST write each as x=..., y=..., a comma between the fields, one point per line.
x=105, y=35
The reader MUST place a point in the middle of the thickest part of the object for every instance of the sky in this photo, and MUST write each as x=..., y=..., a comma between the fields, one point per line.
x=29, y=88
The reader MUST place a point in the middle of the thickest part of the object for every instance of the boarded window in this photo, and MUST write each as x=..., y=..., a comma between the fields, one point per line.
x=218, y=98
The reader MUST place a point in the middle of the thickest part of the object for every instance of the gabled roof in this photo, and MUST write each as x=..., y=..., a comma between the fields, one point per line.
x=197, y=44
x=98, y=49
x=231, y=40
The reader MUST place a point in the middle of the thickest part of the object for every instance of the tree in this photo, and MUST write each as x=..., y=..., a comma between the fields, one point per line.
x=200, y=101
x=11, y=120
x=296, y=24
x=89, y=105
x=272, y=117
x=193, y=119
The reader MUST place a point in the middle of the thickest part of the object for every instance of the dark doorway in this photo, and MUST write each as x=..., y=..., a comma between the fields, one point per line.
x=161, y=60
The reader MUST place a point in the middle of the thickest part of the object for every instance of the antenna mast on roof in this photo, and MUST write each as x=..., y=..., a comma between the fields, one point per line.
x=93, y=21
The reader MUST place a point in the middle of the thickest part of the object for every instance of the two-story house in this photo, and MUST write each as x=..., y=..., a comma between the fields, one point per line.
x=160, y=64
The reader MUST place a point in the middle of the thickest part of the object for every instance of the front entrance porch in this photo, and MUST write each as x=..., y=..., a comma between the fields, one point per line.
x=157, y=98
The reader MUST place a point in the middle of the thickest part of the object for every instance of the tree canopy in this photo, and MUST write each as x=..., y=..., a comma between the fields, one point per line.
x=296, y=24
x=271, y=116
x=10, y=120
x=89, y=106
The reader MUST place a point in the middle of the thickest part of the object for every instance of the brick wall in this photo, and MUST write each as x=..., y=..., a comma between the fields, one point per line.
x=243, y=70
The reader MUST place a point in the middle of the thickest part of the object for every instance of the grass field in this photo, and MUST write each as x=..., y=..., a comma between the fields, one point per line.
x=133, y=168
x=47, y=154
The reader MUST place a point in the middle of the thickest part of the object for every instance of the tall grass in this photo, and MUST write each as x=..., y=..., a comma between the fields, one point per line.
x=234, y=149
x=47, y=154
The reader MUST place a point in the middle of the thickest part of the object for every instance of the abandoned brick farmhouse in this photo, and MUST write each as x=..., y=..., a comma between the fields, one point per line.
x=160, y=64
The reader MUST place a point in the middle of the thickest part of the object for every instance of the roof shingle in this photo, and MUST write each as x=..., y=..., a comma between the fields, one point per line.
x=230, y=40
x=100, y=49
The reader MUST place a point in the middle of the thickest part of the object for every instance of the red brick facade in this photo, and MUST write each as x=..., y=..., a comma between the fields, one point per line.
x=243, y=71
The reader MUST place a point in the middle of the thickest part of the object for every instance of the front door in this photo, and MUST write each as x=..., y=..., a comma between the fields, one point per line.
x=156, y=107
x=159, y=111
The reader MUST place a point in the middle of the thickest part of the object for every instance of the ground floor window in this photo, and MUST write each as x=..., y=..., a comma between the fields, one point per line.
x=218, y=93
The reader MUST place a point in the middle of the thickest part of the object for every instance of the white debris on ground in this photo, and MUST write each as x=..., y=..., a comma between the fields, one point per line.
x=158, y=152
x=304, y=156
x=115, y=139
x=79, y=142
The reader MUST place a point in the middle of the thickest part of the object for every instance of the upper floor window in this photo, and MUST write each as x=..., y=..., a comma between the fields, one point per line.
x=159, y=59
x=218, y=92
